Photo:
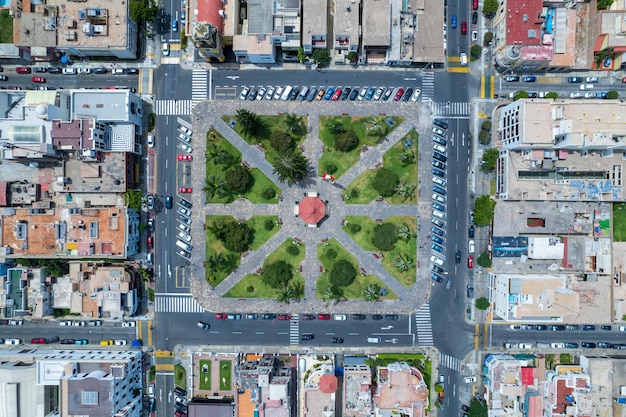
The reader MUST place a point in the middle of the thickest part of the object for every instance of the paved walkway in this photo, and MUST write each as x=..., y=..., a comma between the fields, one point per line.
x=207, y=114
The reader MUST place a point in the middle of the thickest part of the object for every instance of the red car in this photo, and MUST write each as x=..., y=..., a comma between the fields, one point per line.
x=38, y=79
x=185, y=190
x=323, y=316
x=38, y=341
x=336, y=95
x=185, y=158
x=221, y=316
x=150, y=242
x=475, y=4
x=470, y=261
x=463, y=28
x=284, y=317
x=399, y=94
x=22, y=70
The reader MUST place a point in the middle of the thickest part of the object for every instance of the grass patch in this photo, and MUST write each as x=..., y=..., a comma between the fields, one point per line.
x=232, y=259
x=205, y=375
x=252, y=285
x=358, y=124
x=361, y=190
x=6, y=27
x=619, y=222
x=152, y=373
x=216, y=172
x=405, y=247
x=354, y=291
x=492, y=187
x=225, y=375
x=180, y=376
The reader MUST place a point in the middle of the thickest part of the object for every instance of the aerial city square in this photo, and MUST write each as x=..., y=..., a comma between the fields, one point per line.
x=307, y=208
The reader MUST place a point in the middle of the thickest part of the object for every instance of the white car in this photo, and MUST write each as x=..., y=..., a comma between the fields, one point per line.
x=439, y=181
x=151, y=390
x=128, y=324
x=117, y=71
x=244, y=93
x=13, y=342
x=84, y=70
x=120, y=342
x=469, y=379
x=436, y=260
x=278, y=93
x=379, y=93
x=438, y=148
x=185, y=130
x=184, y=228
x=184, y=137
x=508, y=345
x=471, y=246
x=339, y=317
x=416, y=95
x=150, y=141
x=65, y=323
x=185, y=147
x=576, y=95
x=439, y=198
x=261, y=94
x=557, y=345
x=165, y=48
x=270, y=93
x=184, y=236
x=439, y=131
x=591, y=79
x=79, y=324
x=69, y=71
x=586, y=87
x=525, y=346
x=16, y=322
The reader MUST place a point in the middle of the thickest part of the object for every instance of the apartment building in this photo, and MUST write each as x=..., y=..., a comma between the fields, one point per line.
x=400, y=388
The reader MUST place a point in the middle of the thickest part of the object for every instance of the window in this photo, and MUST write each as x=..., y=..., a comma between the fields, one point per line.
x=89, y=398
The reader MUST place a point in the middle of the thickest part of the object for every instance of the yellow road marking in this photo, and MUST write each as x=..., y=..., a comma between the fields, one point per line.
x=149, y=332
x=482, y=115
x=454, y=59
x=150, y=76
x=485, y=333
x=476, y=336
x=163, y=353
x=139, y=329
x=164, y=367
x=140, y=86
x=175, y=46
x=458, y=69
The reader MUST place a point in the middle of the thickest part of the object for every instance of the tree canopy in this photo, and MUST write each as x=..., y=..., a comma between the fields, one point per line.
x=321, y=57
x=385, y=236
x=238, y=179
x=342, y=274
x=490, y=157
x=278, y=274
x=143, y=10
x=249, y=122
x=282, y=141
x=385, y=182
x=346, y=141
x=484, y=208
x=235, y=236
x=291, y=167
x=484, y=260
x=490, y=7
x=482, y=303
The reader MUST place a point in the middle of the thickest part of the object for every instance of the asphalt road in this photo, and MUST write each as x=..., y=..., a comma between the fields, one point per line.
x=69, y=81
x=47, y=329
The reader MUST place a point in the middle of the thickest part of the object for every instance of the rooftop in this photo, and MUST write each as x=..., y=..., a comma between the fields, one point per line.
x=376, y=16
x=523, y=23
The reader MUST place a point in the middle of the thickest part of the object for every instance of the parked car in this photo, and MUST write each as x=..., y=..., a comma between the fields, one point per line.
x=588, y=345
x=453, y=21
x=416, y=95
x=377, y=317
x=268, y=316
x=586, y=87
x=470, y=291
x=387, y=94
x=463, y=28
x=407, y=94
x=329, y=93
x=358, y=317
x=511, y=78
x=530, y=79
x=323, y=316
x=244, y=93
x=575, y=80
x=474, y=18
x=22, y=70
x=470, y=262
x=399, y=94
x=174, y=25
x=591, y=79
x=440, y=123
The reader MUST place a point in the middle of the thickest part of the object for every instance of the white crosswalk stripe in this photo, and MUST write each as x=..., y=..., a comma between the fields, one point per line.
x=449, y=362
x=450, y=108
x=183, y=303
x=198, y=86
x=173, y=107
x=423, y=326
x=428, y=85
x=294, y=330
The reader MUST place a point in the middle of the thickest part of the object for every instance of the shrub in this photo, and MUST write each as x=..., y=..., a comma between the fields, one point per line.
x=238, y=179
x=278, y=274
x=354, y=228
x=268, y=224
x=483, y=210
x=553, y=95
x=482, y=303
x=385, y=182
x=486, y=125
x=484, y=137
x=249, y=289
x=331, y=168
x=281, y=141
x=385, y=236
x=484, y=260
x=490, y=157
x=488, y=37
x=151, y=121
x=354, y=193
x=342, y=274
x=331, y=253
x=612, y=94
x=475, y=52
x=236, y=237
x=269, y=193
x=346, y=141
x=293, y=250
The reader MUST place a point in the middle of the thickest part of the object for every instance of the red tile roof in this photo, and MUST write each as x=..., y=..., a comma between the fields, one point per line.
x=522, y=18
x=209, y=11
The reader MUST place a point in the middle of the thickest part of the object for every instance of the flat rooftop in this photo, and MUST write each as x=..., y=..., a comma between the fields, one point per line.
x=315, y=20
x=376, y=17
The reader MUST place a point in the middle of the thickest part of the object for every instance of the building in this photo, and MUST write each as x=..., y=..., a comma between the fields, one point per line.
x=84, y=29
x=319, y=387
x=315, y=25
x=26, y=291
x=357, y=390
x=346, y=29
x=208, y=28
x=21, y=394
x=568, y=392
x=400, y=389
x=610, y=45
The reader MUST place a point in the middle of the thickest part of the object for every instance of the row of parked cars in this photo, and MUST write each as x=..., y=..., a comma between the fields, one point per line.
x=76, y=70
x=567, y=345
x=283, y=316
x=330, y=93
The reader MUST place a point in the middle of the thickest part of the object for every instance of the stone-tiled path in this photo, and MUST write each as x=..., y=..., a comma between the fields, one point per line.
x=207, y=114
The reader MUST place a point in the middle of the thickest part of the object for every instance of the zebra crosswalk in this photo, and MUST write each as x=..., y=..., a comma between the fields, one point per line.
x=450, y=108
x=294, y=330
x=173, y=107
x=198, y=86
x=450, y=362
x=428, y=85
x=176, y=303
x=423, y=326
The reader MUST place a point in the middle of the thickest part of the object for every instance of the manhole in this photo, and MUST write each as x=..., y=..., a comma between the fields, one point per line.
x=232, y=122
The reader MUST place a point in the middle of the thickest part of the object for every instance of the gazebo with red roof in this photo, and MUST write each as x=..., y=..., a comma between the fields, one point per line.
x=311, y=209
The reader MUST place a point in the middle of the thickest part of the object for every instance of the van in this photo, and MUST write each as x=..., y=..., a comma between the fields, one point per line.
x=463, y=59
x=303, y=93
x=285, y=95
x=371, y=339
x=183, y=245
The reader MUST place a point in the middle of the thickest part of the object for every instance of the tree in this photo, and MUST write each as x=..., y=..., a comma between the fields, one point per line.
x=371, y=293
x=612, y=94
x=385, y=236
x=250, y=122
x=482, y=303
x=490, y=157
x=406, y=190
x=238, y=179
x=475, y=52
x=183, y=39
x=215, y=263
x=142, y=10
x=604, y=4
x=520, y=94
x=346, y=141
x=376, y=126
x=486, y=125
x=335, y=125
x=553, y=95
x=284, y=295
x=278, y=274
x=484, y=208
x=405, y=233
x=484, y=260
x=403, y=263
x=342, y=274
x=134, y=199
x=282, y=141
x=353, y=57
x=291, y=167
x=214, y=185
x=301, y=55
x=385, y=182
x=484, y=137
x=321, y=57
x=297, y=290
x=407, y=156
x=235, y=236
x=293, y=122
x=490, y=7
x=488, y=38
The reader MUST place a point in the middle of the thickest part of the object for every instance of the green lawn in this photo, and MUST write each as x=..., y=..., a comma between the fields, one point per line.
x=361, y=191
x=619, y=222
x=6, y=27
x=180, y=376
x=216, y=173
x=409, y=248
x=252, y=285
x=233, y=259
x=205, y=377
x=353, y=291
x=225, y=375
x=358, y=124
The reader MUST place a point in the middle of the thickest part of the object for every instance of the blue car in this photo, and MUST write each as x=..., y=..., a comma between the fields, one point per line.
x=530, y=79
x=174, y=25
x=329, y=93
x=436, y=239
x=436, y=247
x=453, y=22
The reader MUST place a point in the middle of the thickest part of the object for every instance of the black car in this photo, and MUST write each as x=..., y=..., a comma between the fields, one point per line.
x=131, y=71
x=575, y=80
x=465, y=408
x=377, y=317
x=336, y=340
x=308, y=317
x=457, y=257
x=570, y=345
x=438, y=164
x=440, y=157
x=541, y=327
x=471, y=231
x=437, y=268
x=99, y=70
x=474, y=18
x=67, y=341
x=391, y=317
x=185, y=203
x=619, y=346
x=407, y=94
x=440, y=141
x=528, y=327
x=438, y=172
x=354, y=94
x=533, y=95
x=588, y=327
x=345, y=93
x=268, y=316
x=53, y=339
x=180, y=391
x=437, y=231
x=606, y=327
x=252, y=94
x=604, y=345
x=54, y=70
x=358, y=317
x=387, y=94
x=556, y=328
x=40, y=69
x=588, y=345
x=307, y=336
x=440, y=123
x=294, y=93
x=180, y=407
x=151, y=225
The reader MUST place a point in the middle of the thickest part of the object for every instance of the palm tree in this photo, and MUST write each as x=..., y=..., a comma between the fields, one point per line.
x=285, y=295
x=211, y=152
x=335, y=126
x=371, y=292
x=405, y=232
x=403, y=262
x=249, y=122
x=292, y=121
x=376, y=125
x=291, y=167
x=297, y=288
x=214, y=185
x=407, y=156
x=214, y=263
x=406, y=190
x=215, y=228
